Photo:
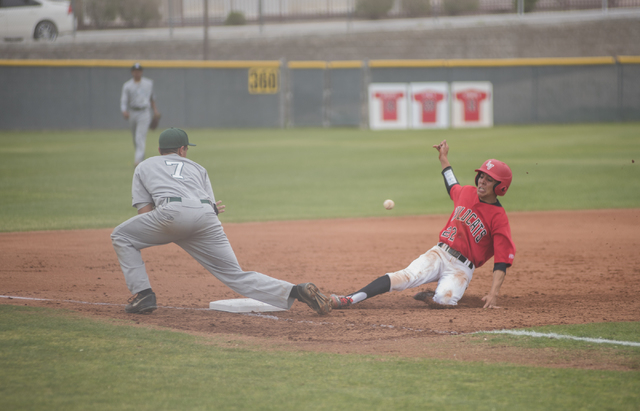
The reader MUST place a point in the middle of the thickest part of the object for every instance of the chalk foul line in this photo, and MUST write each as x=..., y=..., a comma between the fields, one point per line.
x=12, y=297
x=561, y=336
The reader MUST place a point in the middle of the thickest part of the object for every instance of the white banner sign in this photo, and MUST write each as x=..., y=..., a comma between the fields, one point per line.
x=388, y=106
x=471, y=104
x=429, y=105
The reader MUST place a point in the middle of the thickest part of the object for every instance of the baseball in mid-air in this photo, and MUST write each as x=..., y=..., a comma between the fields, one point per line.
x=388, y=204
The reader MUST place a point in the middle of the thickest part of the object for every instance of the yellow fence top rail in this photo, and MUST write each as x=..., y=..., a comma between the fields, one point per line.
x=346, y=64
x=307, y=64
x=144, y=63
x=493, y=62
x=319, y=64
x=629, y=59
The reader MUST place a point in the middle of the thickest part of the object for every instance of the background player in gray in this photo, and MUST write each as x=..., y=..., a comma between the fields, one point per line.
x=136, y=103
x=176, y=204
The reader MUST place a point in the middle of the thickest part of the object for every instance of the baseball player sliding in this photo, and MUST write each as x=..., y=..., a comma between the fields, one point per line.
x=477, y=230
x=176, y=204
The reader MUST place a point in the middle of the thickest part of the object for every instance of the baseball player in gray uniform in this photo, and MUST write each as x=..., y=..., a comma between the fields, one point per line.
x=136, y=103
x=176, y=204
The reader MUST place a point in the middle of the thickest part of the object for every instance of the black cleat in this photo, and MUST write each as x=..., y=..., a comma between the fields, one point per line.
x=141, y=305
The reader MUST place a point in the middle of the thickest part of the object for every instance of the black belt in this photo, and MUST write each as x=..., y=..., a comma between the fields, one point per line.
x=139, y=108
x=457, y=254
x=179, y=200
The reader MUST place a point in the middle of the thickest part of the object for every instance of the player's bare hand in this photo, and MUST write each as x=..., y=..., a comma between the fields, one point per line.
x=125, y=114
x=443, y=149
x=490, y=301
x=220, y=206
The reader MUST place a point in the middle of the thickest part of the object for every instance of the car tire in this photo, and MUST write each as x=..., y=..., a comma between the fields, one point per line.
x=45, y=30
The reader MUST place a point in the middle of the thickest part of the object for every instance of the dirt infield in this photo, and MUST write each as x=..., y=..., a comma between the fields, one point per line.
x=571, y=267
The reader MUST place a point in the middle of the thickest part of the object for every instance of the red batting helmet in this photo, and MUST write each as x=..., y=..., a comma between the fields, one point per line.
x=500, y=172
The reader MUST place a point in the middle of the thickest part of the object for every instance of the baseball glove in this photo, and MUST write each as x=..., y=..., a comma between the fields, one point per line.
x=155, y=121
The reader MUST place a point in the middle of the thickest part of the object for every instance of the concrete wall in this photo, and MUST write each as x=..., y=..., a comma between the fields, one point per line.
x=85, y=95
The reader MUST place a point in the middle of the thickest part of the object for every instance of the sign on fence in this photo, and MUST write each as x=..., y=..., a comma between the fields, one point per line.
x=429, y=105
x=472, y=104
x=388, y=106
x=263, y=80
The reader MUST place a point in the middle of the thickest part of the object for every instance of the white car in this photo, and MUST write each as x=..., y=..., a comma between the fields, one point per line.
x=35, y=19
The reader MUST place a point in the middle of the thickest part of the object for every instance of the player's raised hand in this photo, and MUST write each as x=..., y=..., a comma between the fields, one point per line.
x=443, y=152
x=220, y=206
x=443, y=147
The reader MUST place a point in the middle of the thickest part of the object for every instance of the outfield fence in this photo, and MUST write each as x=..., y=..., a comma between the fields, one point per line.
x=85, y=94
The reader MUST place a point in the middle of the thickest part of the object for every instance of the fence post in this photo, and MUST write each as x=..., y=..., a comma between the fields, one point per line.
x=285, y=94
x=326, y=98
x=364, y=95
x=605, y=6
x=520, y=7
x=620, y=74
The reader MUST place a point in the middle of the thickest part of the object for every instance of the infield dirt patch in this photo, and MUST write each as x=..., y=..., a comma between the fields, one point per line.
x=571, y=267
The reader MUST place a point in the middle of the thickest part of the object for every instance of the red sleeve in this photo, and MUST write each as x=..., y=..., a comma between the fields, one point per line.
x=455, y=192
x=503, y=247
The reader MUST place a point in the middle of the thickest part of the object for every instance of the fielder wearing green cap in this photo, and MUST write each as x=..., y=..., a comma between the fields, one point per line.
x=176, y=204
x=173, y=138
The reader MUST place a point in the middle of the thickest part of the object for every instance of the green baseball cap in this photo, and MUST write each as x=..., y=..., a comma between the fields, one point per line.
x=173, y=138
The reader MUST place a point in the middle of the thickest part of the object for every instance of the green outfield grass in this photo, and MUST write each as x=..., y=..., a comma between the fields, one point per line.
x=55, y=360
x=82, y=179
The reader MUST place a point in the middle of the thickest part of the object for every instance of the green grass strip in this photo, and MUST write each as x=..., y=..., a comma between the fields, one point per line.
x=52, y=360
x=82, y=179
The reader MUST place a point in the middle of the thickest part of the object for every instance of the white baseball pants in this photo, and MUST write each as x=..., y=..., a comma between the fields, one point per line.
x=453, y=276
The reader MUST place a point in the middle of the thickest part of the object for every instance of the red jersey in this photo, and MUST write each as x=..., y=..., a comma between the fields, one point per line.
x=389, y=104
x=429, y=101
x=471, y=100
x=478, y=230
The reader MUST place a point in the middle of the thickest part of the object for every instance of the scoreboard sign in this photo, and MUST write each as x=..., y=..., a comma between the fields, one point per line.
x=263, y=80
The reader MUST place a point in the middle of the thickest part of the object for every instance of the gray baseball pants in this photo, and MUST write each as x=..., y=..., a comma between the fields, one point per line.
x=139, y=121
x=195, y=227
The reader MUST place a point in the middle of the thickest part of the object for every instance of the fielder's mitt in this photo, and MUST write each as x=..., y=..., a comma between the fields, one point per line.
x=155, y=121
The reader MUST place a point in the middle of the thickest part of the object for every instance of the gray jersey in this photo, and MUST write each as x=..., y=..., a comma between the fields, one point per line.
x=161, y=177
x=136, y=96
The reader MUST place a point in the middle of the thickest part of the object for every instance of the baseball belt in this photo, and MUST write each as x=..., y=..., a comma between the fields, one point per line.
x=179, y=200
x=457, y=254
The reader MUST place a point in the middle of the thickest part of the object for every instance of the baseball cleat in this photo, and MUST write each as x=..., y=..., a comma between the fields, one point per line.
x=340, y=301
x=141, y=305
x=424, y=296
x=309, y=294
